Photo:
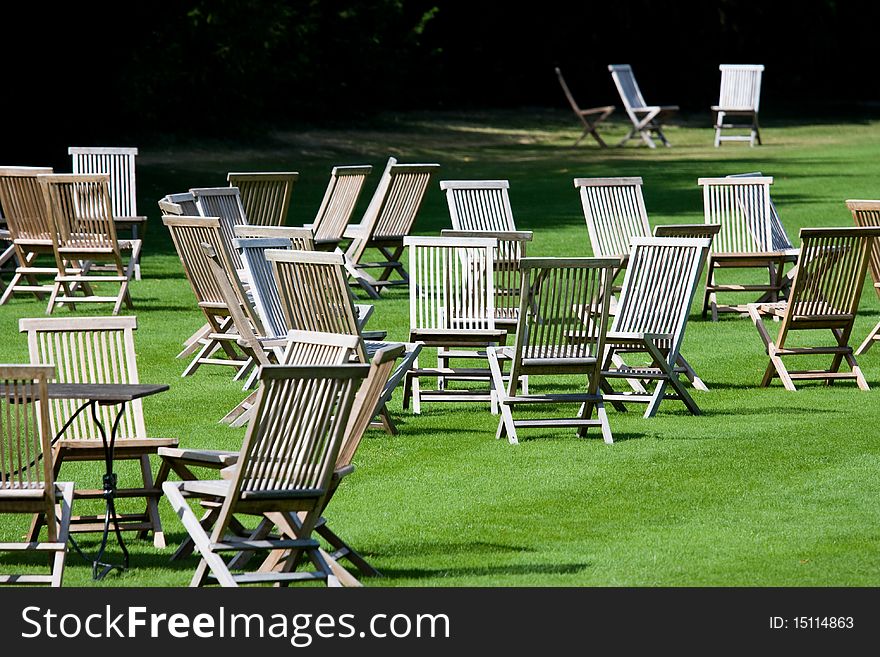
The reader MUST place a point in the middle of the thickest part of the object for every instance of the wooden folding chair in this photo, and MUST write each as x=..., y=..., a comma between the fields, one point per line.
x=118, y=163
x=479, y=204
x=590, y=118
x=225, y=204
x=338, y=205
x=98, y=350
x=646, y=119
x=85, y=234
x=387, y=221
x=27, y=480
x=651, y=317
x=265, y=196
x=188, y=234
x=30, y=231
x=284, y=469
x=749, y=238
x=867, y=213
x=563, y=312
x=740, y=96
x=825, y=296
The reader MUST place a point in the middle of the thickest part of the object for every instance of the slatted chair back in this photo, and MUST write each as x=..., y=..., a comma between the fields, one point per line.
x=615, y=213
x=701, y=231
x=742, y=206
x=293, y=441
x=23, y=205
x=661, y=278
x=188, y=234
x=627, y=87
x=479, y=204
x=780, y=239
x=828, y=283
x=180, y=205
x=451, y=285
x=264, y=289
x=225, y=204
x=740, y=87
x=244, y=317
x=24, y=431
x=867, y=214
x=118, y=163
x=87, y=350
x=81, y=211
x=316, y=348
x=339, y=201
x=300, y=239
x=265, y=196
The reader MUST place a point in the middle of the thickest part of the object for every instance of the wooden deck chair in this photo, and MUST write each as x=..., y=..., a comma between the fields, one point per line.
x=590, y=118
x=825, y=296
x=338, y=205
x=452, y=308
x=119, y=164
x=225, y=204
x=563, y=320
x=284, y=468
x=387, y=221
x=740, y=96
x=748, y=238
x=98, y=350
x=27, y=480
x=479, y=204
x=84, y=235
x=646, y=119
x=179, y=205
x=265, y=196
x=651, y=317
x=188, y=234
x=867, y=213
x=30, y=229
x=315, y=296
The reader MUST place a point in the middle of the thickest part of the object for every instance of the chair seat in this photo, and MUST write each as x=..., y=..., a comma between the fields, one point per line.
x=151, y=444
x=214, y=457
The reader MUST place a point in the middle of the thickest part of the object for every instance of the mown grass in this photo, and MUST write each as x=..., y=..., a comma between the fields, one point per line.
x=767, y=488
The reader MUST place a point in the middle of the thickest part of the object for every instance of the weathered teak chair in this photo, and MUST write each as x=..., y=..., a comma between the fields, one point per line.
x=27, y=480
x=748, y=238
x=98, y=350
x=651, y=317
x=118, y=163
x=739, y=97
x=300, y=239
x=179, y=205
x=85, y=234
x=646, y=119
x=867, y=213
x=590, y=118
x=452, y=308
x=338, y=204
x=188, y=234
x=825, y=295
x=315, y=296
x=30, y=229
x=387, y=221
x=265, y=197
x=285, y=468
x=479, y=204
x=225, y=204
x=563, y=320
x=698, y=231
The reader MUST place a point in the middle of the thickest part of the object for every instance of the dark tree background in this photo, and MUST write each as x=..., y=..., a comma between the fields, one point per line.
x=140, y=71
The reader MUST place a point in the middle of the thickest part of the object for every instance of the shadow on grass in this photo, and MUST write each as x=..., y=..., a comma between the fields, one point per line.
x=484, y=571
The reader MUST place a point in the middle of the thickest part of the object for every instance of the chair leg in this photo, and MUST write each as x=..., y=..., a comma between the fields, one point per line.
x=63, y=511
x=152, y=504
x=506, y=425
x=869, y=341
x=691, y=374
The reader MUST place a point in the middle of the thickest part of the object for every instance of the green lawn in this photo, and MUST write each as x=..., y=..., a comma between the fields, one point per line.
x=767, y=488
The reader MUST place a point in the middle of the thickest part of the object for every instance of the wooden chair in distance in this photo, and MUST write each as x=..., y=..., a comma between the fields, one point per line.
x=646, y=119
x=563, y=313
x=867, y=213
x=265, y=196
x=119, y=164
x=300, y=420
x=98, y=350
x=747, y=239
x=337, y=206
x=30, y=229
x=825, y=296
x=479, y=204
x=179, y=205
x=27, y=480
x=651, y=317
x=590, y=118
x=225, y=204
x=85, y=234
x=740, y=96
x=386, y=222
